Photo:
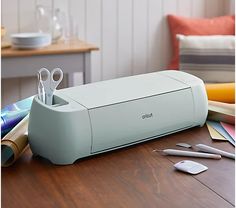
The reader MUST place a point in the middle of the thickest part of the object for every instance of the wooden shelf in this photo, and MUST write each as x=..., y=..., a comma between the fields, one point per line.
x=61, y=47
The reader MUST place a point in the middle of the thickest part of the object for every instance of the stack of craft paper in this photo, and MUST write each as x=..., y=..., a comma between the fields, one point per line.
x=221, y=111
x=221, y=102
x=221, y=131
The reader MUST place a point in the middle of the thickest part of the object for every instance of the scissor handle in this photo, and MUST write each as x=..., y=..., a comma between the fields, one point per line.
x=47, y=79
x=55, y=83
x=48, y=84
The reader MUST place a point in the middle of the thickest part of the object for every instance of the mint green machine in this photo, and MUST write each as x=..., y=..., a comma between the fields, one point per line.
x=103, y=116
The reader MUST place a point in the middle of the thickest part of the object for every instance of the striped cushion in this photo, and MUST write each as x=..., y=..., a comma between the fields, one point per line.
x=211, y=58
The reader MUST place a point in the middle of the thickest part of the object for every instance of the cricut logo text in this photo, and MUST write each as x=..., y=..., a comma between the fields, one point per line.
x=149, y=115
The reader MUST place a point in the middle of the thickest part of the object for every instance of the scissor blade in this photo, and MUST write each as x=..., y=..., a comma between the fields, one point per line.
x=41, y=92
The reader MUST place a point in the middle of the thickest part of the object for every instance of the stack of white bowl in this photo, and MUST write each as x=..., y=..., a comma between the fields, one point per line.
x=30, y=40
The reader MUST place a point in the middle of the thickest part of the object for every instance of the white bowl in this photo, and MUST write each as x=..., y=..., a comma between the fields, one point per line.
x=30, y=38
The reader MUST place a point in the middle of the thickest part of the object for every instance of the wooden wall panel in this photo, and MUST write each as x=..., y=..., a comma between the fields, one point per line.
x=169, y=7
x=109, y=39
x=212, y=8
x=44, y=2
x=199, y=8
x=27, y=16
x=229, y=6
x=94, y=35
x=62, y=5
x=140, y=36
x=185, y=7
x=124, y=35
x=10, y=16
x=77, y=10
x=133, y=35
x=155, y=35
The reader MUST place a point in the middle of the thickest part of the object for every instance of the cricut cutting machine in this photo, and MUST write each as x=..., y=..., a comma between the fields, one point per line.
x=99, y=117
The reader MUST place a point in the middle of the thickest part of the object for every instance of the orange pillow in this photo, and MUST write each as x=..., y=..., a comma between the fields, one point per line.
x=224, y=25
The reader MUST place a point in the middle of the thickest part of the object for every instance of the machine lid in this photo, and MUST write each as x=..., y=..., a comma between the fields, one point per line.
x=123, y=89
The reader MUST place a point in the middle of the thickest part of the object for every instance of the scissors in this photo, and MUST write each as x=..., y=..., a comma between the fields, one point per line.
x=47, y=86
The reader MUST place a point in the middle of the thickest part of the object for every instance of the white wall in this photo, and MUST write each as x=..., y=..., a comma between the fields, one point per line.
x=230, y=6
x=132, y=35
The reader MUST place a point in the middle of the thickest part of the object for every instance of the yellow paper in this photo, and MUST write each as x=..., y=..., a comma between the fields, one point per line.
x=214, y=134
x=222, y=92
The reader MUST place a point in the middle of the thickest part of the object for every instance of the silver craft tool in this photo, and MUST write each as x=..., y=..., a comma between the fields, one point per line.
x=175, y=152
x=205, y=148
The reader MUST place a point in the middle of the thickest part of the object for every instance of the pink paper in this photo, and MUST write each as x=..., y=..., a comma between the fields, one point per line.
x=229, y=128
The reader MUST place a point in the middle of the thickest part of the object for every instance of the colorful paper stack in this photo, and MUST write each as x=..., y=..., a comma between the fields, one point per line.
x=221, y=111
x=221, y=131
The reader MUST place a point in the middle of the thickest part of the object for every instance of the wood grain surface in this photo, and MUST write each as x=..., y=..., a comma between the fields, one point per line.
x=130, y=177
x=61, y=47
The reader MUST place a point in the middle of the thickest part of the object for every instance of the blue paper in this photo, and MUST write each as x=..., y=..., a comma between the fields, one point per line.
x=12, y=114
x=217, y=126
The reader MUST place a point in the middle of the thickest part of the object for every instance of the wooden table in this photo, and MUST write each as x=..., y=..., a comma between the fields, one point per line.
x=70, y=56
x=130, y=177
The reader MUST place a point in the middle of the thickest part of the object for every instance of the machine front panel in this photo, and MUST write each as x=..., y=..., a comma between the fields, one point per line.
x=127, y=122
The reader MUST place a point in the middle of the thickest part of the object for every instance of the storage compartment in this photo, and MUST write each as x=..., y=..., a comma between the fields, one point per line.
x=58, y=101
x=127, y=122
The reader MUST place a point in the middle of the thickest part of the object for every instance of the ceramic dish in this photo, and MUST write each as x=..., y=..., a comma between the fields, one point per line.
x=30, y=40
